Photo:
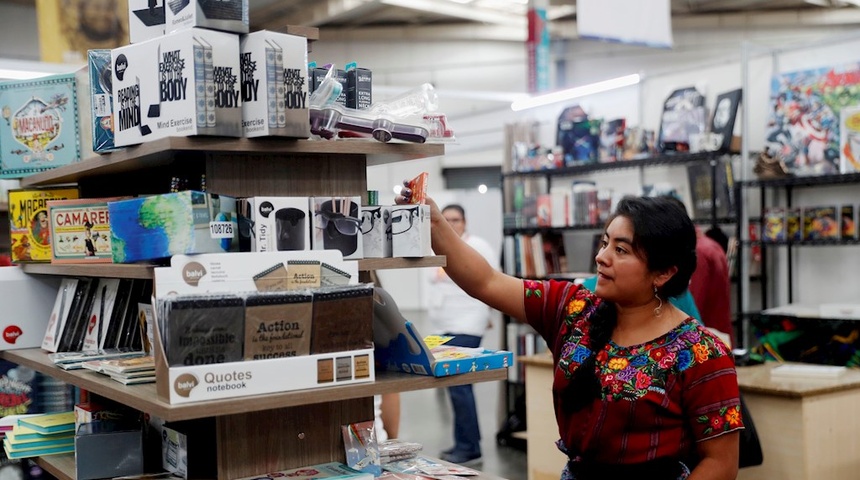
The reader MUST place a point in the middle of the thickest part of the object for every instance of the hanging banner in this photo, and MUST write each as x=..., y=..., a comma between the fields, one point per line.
x=68, y=28
x=639, y=22
x=538, y=47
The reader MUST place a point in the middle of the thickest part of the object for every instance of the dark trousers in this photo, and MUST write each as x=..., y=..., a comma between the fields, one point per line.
x=467, y=433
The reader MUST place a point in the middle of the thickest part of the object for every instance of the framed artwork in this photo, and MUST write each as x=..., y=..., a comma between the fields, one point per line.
x=68, y=28
x=684, y=114
x=725, y=114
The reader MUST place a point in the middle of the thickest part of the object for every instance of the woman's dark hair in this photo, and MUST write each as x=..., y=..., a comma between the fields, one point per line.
x=664, y=237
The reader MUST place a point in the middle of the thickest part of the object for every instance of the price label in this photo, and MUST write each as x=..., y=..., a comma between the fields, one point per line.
x=221, y=229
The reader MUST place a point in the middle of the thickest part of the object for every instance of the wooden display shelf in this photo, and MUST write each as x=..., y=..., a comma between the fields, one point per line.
x=109, y=270
x=61, y=466
x=161, y=152
x=145, y=399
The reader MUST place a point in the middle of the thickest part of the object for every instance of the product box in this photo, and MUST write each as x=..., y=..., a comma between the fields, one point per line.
x=159, y=226
x=145, y=20
x=774, y=225
x=410, y=231
x=276, y=224
x=80, y=230
x=400, y=347
x=376, y=231
x=100, y=98
x=820, y=223
x=41, y=127
x=29, y=223
x=106, y=449
x=848, y=224
x=315, y=76
x=279, y=106
x=225, y=15
x=27, y=305
x=185, y=83
x=318, y=75
x=336, y=225
x=793, y=228
x=359, y=87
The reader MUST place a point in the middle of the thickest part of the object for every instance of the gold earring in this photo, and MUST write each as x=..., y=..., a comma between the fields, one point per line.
x=659, y=310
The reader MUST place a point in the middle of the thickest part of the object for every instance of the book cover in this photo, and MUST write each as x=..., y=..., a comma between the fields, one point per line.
x=128, y=365
x=277, y=326
x=80, y=230
x=793, y=228
x=30, y=225
x=101, y=313
x=848, y=226
x=15, y=442
x=38, y=452
x=60, y=314
x=73, y=336
x=205, y=330
x=50, y=422
x=342, y=320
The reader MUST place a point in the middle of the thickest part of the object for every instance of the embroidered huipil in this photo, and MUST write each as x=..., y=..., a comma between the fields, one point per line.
x=658, y=399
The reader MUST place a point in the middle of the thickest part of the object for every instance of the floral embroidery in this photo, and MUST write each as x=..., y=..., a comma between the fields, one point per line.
x=575, y=306
x=618, y=363
x=533, y=288
x=719, y=421
x=702, y=353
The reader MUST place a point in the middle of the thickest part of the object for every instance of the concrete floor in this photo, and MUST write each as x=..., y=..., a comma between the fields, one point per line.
x=426, y=417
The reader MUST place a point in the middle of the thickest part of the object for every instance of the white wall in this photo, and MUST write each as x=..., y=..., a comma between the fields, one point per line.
x=19, y=37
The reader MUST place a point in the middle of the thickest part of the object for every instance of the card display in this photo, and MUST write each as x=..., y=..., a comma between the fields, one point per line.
x=273, y=279
x=101, y=314
x=277, y=325
x=303, y=274
x=60, y=314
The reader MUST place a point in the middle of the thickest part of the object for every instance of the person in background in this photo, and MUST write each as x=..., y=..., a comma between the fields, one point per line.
x=640, y=389
x=454, y=313
x=710, y=285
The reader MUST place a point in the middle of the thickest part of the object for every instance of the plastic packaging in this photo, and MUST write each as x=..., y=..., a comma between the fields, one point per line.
x=362, y=451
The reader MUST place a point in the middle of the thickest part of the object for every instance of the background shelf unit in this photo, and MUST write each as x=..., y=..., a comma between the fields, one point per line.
x=667, y=159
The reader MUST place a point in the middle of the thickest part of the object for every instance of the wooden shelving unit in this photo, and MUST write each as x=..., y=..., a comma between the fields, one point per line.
x=259, y=433
x=107, y=270
x=145, y=398
x=61, y=466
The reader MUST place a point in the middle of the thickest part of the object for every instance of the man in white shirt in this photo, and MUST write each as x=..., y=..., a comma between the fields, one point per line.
x=454, y=313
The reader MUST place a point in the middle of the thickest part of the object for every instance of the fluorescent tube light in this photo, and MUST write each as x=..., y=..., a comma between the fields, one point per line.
x=576, y=92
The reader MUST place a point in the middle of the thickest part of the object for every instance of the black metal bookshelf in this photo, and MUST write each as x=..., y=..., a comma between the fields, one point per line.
x=666, y=159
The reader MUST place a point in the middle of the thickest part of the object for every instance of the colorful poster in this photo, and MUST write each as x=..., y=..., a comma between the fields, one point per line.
x=803, y=127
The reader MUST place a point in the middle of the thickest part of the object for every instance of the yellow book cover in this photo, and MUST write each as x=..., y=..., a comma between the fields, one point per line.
x=30, y=226
x=50, y=422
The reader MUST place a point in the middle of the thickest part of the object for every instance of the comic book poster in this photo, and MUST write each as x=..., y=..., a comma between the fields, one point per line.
x=805, y=107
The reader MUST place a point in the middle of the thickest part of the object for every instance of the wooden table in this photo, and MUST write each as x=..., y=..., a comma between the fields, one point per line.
x=545, y=461
x=809, y=428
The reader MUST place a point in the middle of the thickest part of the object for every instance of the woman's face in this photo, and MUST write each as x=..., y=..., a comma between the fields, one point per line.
x=622, y=276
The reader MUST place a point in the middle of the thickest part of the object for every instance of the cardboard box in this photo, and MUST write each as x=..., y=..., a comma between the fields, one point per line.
x=105, y=449
x=101, y=100
x=277, y=224
x=359, y=87
x=80, y=230
x=225, y=15
x=41, y=127
x=279, y=106
x=185, y=83
x=27, y=306
x=410, y=231
x=30, y=225
x=160, y=226
x=145, y=20
x=376, y=231
x=336, y=225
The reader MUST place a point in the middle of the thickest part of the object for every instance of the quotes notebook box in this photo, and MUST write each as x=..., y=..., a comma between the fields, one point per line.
x=185, y=83
x=39, y=130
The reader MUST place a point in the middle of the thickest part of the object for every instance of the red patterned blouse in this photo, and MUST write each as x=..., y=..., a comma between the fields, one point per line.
x=658, y=398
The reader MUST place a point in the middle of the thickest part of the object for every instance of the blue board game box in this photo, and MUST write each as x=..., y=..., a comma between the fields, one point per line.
x=399, y=346
x=40, y=131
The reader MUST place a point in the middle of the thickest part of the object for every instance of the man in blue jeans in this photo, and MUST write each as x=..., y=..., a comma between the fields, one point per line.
x=454, y=313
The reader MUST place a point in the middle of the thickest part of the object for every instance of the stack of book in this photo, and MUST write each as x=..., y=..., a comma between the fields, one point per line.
x=128, y=371
x=41, y=435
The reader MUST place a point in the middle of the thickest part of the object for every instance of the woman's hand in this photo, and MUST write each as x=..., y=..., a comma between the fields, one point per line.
x=405, y=197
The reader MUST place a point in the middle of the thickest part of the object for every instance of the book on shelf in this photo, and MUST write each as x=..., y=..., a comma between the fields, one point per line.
x=38, y=452
x=14, y=441
x=50, y=422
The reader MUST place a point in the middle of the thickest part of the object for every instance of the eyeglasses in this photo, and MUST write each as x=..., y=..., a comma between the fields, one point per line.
x=369, y=216
x=344, y=224
x=403, y=219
